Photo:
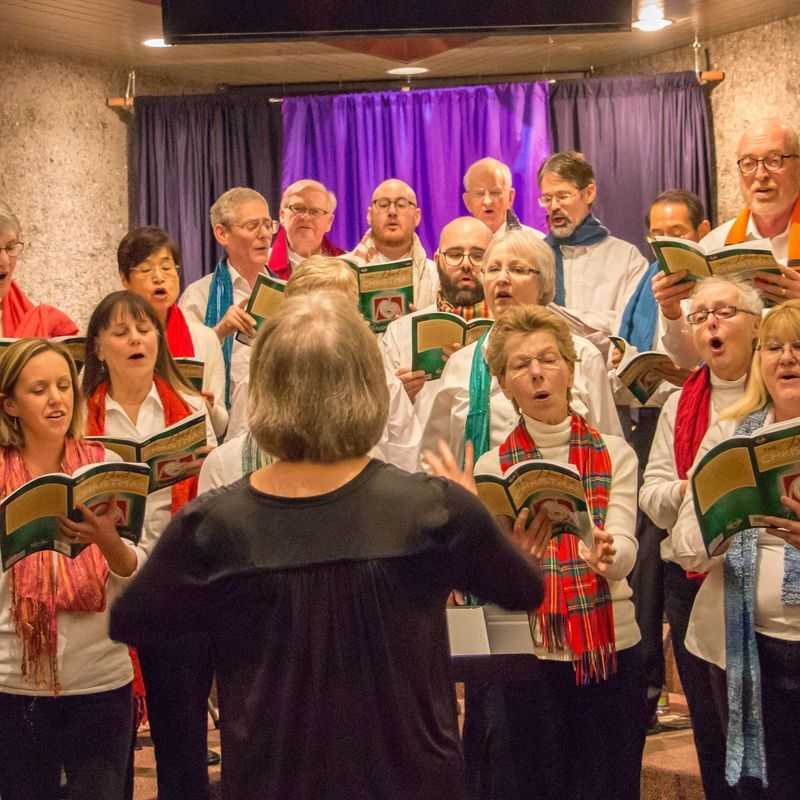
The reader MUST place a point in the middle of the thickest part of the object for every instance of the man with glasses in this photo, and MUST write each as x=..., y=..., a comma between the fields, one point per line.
x=393, y=216
x=768, y=161
x=307, y=210
x=462, y=244
x=243, y=227
x=596, y=273
x=489, y=194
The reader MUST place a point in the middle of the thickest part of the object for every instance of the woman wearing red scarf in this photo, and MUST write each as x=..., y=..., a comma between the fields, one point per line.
x=725, y=317
x=149, y=264
x=577, y=729
x=21, y=318
x=134, y=390
x=65, y=687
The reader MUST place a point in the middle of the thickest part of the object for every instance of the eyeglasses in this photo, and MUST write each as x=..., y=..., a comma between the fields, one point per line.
x=723, y=312
x=253, y=226
x=772, y=163
x=13, y=250
x=167, y=269
x=547, y=360
x=775, y=349
x=515, y=271
x=479, y=194
x=401, y=203
x=304, y=211
x=546, y=200
x=455, y=257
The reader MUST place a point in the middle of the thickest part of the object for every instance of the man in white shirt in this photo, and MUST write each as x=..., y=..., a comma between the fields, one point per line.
x=489, y=193
x=306, y=215
x=243, y=227
x=596, y=273
x=393, y=217
x=462, y=244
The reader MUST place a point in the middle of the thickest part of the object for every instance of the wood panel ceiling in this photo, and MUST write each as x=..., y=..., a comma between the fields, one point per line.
x=112, y=31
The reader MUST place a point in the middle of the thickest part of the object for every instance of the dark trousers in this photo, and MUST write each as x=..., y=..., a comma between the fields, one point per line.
x=780, y=706
x=89, y=735
x=178, y=679
x=647, y=577
x=578, y=742
x=709, y=736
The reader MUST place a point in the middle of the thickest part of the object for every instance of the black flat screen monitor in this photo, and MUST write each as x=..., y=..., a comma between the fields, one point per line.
x=205, y=21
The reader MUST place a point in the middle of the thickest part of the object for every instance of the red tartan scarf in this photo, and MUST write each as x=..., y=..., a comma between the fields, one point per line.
x=577, y=614
x=175, y=409
x=738, y=233
x=465, y=312
x=278, y=262
x=179, y=338
x=691, y=419
x=38, y=591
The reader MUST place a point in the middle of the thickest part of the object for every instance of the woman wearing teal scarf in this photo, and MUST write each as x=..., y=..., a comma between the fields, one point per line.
x=752, y=593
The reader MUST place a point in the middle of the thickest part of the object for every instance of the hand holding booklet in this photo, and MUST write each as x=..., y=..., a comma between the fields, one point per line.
x=741, y=480
x=29, y=514
x=264, y=302
x=171, y=454
x=540, y=485
x=432, y=333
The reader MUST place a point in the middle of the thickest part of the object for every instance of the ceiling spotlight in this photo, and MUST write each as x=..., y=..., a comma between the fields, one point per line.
x=155, y=43
x=407, y=71
x=651, y=18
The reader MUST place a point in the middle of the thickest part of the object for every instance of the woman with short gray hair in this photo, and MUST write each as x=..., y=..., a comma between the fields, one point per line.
x=20, y=317
x=322, y=580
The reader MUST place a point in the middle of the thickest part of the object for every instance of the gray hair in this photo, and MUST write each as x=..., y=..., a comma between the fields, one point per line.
x=491, y=164
x=9, y=220
x=223, y=212
x=528, y=246
x=318, y=387
x=748, y=294
x=303, y=185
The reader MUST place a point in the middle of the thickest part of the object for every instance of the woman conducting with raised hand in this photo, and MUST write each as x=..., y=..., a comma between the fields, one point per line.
x=21, y=318
x=578, y=729
x=134, y=390
x=65, y=687
x=746, y=616
x=149, y=264
x=322, y=579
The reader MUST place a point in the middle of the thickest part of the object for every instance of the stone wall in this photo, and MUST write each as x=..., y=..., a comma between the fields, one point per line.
x=762, y=78
x=64, y=171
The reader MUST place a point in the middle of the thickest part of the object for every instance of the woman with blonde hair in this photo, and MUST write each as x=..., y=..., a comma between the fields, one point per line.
x=746, y=617
x=322, y=579
x=65, y=686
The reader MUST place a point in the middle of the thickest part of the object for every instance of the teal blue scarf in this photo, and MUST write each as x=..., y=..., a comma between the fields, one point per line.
x=480, y=383
x=590, y=231
x=746, y=756
x=220, y=299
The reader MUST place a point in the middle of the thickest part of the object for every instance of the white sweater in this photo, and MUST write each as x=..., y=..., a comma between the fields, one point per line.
x=553, y=443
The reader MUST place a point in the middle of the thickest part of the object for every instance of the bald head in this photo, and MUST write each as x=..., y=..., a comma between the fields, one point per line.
x=393, y=216
x=466, y=232
x=394, y=188
x=770, y=194
x=488, y=193
x=462, y=244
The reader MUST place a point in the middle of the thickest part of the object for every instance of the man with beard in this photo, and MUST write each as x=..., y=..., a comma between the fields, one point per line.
x=489, y=194
x=462, y=244
x=393, y=217
x=596, y=273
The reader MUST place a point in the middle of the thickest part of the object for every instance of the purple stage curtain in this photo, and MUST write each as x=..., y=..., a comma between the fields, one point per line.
x=426, y=137
x=642, y=135
x=189, y=150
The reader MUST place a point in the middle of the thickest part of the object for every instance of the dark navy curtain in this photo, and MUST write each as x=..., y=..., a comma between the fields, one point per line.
x=643, y=135
x=189, y=150
x=426, y=137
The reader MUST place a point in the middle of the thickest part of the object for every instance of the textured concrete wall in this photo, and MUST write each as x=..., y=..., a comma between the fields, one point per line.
x=64, y=161
x=762, y=78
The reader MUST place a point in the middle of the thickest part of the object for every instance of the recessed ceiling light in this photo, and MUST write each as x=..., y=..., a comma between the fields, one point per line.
x=155, y=43
x=404, y=71
x=651, y=18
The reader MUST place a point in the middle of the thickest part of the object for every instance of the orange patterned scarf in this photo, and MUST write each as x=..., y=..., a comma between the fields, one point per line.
x=738, y=233
x=45, y=583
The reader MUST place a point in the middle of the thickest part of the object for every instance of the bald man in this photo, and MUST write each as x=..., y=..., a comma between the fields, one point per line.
x=768, y=161
x=489, y=193
x=462, y=244
x=393, y=216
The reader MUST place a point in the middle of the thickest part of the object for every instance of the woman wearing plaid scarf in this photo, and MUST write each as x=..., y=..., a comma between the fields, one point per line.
x=578, y=729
